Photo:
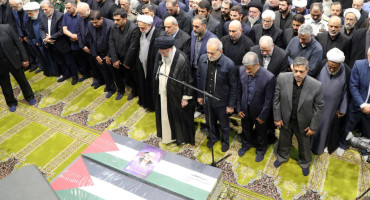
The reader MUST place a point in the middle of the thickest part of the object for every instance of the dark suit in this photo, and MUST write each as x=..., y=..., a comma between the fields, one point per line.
x=341, y=42
x=359, y=87
x=260, y=106
x=309, y=110
x=103, y=69
x=358, y=47
x=182, y=42
x=15, y=54
x=124, y=46
x=203, y=48
x=106, y=8
x=60, y=50
x=278, y=61
x=247, y=30
x=274, y=32
x=288, y=22
x=288, y=34
x=363, y=21
x=225, y=89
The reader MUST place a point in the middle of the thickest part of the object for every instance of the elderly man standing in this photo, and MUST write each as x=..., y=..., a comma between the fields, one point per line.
x=174, y=103
x=362, y=22
x=351, y=16
x=182, y=39
x=306, y=46
x=217, y=75
x=298, y=106
x=236, y=44
x=124, y=45
x=254, y=103
x=334, y=78
x=317, y=19
x=271, y=57
x=145, y=64
x=51, y=32
x=268, y=28
x=334, y=38
x=13, y=57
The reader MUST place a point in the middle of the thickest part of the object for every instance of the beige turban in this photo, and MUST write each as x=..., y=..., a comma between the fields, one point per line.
x=335, y=55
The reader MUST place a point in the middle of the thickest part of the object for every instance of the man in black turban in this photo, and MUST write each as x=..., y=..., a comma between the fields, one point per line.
x=174, y=102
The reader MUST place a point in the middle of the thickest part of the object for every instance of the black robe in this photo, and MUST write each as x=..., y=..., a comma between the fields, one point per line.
x=181, y=119
x=145, y=90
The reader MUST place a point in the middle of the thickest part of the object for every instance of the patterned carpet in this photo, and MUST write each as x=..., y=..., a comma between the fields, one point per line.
x=68, y=118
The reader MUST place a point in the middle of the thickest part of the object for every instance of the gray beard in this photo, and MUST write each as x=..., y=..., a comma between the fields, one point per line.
x=348, y=27
x=251, y=20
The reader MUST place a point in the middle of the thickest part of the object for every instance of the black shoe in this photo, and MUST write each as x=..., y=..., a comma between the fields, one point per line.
x=74, y=81
x=210, y=144
x=306, y=171
x=83, y=78
x=109, y=94
x=62, y=79
x=242, y=151
x=105, y=89
x=38, y=71
x=225, y=147
x=259, y=157
x=277, y=163
x=131, y=96
x=33, y=68
x=97, y=85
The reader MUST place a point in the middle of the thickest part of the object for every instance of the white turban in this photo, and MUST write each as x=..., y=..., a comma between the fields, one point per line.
x=300, y=3
x=335, y=55
x=31, y=6
x=147, y=19
x=354, y=11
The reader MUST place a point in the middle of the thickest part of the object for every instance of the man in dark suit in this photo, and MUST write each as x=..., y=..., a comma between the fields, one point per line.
x=57, y=42
x=180, y=15
x=254, y=103
x=199, y=38
x=363, y=22
x=359, y=106
x=236, y=13
x=106, y=7
x=284, y=16
x=217, y=75
x=12, y=58
x=334, y=38
x=6, y=13
x=290, y=33
x=182, y=39
x=298, y=106
x=99, y=29
x=204, y=8
x=359, y=45
x=124, y=45
x=271, y=57
x=267, y=28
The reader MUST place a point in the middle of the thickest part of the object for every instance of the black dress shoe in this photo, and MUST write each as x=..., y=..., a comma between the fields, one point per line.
x=131, y=96
x=225, y=147
x=210, y=144
x=74, y=81
x=83, y=78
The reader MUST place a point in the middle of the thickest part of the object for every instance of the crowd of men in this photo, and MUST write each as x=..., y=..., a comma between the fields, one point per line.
x=301, y=66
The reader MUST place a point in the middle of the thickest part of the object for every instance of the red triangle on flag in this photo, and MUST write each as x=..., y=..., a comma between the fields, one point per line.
x=103, y=143
x=75, y=176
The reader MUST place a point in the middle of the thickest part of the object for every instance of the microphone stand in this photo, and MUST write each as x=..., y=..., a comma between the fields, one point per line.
x=206, y=99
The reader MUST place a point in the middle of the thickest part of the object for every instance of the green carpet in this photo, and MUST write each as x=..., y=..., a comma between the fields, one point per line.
x=68, y=118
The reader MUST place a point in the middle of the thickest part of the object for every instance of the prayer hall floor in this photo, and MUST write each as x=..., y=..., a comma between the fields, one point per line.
x=66, y=119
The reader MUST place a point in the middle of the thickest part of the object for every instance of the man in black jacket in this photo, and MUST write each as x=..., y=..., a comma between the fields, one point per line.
x=182, y=39
x=99, y=30
x=181, y=16
x=235, y=44
x=57, y=42
x=13, y=57
x=124, y=44
x=106, y=7
x=268, y=28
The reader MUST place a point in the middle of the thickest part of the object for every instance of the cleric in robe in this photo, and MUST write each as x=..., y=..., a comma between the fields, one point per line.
x=334, y=78
x=174, y=102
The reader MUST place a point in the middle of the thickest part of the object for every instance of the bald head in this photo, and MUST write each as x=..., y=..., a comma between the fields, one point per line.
x=266, y=45
x=235, y=30
x=83, y=10
x=334, y=26
x=171, y=25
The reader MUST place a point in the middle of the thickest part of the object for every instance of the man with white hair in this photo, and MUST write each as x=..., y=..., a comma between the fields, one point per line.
x=182, y=39
x=334, y=78
x=254, y=104
x=217, y=75
x=17, y=17
x=268, y=28
x=305, y=45
x=351, y=17
x=174, y=102
x=362, y=22
x=145, y=63
x=124, y=41
x=334, y=38
x=300, y=7
x=317, y=19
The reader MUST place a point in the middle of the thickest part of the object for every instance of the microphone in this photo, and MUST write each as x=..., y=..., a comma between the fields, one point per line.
x=159, y=68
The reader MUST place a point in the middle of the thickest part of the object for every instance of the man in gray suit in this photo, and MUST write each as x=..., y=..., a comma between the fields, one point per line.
x=298, y=105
